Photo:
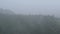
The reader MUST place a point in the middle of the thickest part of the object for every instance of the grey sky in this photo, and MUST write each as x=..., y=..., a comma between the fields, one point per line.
x=32, y=6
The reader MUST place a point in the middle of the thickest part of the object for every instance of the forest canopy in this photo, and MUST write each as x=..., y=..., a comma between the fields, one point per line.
x=10, y=23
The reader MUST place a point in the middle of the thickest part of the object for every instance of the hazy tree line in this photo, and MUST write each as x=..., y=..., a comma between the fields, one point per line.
x=11, y=23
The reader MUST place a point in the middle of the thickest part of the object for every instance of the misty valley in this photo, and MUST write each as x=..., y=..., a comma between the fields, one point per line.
x=11, y=23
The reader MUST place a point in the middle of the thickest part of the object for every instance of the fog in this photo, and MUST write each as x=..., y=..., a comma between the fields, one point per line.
x=44, y=7
x=29, y=16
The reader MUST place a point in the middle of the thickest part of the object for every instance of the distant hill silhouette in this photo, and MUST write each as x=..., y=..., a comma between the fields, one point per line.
x=6, y=11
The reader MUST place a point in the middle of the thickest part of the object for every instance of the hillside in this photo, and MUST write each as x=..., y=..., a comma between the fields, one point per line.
x=28, y=24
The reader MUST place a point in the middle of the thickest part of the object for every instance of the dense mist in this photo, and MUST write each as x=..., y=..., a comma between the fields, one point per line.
x=29, y=17
x=51, y=7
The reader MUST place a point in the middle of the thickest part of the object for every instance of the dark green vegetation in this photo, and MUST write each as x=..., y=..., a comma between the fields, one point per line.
x=11, y=23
